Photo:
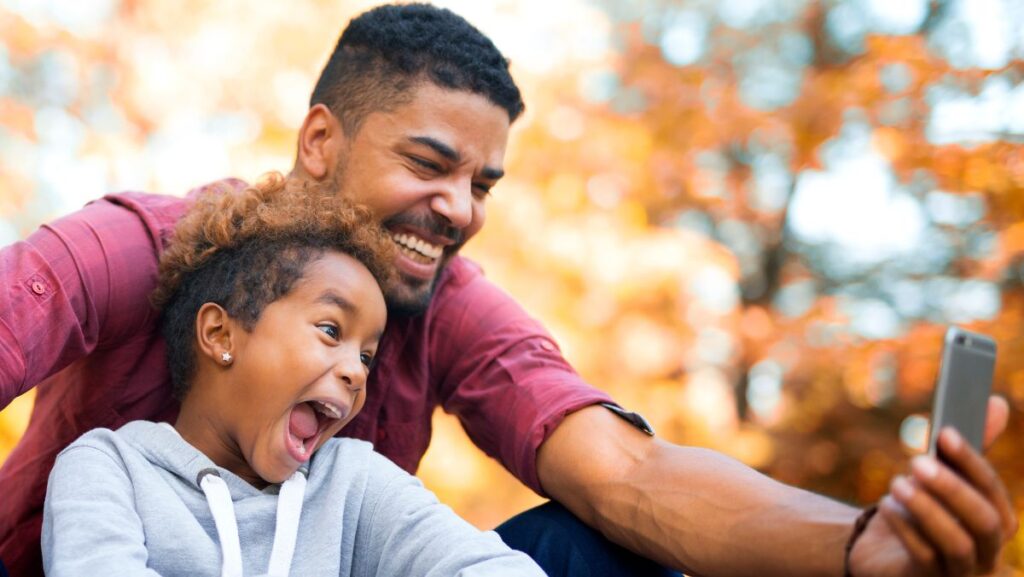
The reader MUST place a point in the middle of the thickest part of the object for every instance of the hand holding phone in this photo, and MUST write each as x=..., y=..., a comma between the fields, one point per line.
x=963, y=388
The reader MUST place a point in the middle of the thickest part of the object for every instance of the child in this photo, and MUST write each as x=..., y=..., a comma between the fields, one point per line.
x=272, y=314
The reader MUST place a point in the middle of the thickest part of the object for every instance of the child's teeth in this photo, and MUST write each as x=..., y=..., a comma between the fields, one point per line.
x=327, y=409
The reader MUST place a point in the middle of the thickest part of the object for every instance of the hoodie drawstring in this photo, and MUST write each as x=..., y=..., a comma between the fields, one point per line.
x=289, y=508
x=219, y=499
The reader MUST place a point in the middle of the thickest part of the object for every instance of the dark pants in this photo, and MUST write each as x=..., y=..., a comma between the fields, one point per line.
x=563, y=546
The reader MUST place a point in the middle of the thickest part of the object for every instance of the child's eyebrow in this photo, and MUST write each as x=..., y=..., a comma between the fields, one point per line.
x=332, y=298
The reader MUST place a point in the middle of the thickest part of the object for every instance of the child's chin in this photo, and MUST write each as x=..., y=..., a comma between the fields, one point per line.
x=278, y=475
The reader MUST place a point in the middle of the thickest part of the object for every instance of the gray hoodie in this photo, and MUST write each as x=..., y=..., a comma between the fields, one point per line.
x=142, y=501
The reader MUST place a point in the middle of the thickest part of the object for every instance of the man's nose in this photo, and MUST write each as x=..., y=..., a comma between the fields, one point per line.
x=454, y=201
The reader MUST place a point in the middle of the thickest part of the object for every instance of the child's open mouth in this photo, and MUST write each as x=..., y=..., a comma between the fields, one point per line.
x=307, y=423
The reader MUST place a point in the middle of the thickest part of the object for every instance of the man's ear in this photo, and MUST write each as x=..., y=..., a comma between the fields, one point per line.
x=321, y=139
x=215, y=333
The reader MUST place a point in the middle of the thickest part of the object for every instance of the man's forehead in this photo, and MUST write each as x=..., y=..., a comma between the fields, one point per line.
x=427, y=102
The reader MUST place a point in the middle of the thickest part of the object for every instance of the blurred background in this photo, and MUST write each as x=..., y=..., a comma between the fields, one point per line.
x=749, y=220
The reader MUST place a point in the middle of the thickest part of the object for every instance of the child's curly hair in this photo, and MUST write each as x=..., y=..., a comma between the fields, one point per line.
x=245, y=249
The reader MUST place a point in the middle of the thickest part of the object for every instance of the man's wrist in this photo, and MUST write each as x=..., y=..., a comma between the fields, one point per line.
x=858, y=529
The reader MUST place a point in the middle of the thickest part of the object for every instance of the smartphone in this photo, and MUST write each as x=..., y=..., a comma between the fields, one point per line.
x=963, y=388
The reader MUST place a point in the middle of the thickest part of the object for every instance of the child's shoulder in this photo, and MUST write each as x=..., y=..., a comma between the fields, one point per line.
x=344, y=448
x=96, y=450
x=96, y=438
x=356, y=456
x=118, y=445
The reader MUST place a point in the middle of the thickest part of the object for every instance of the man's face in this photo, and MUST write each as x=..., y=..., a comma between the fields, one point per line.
x=424, y=169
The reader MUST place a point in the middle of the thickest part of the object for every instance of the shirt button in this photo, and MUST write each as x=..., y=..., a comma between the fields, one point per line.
x=382, y=435
x=38, y=288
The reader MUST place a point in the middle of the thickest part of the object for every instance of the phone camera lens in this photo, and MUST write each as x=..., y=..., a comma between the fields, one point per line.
x=960, y=339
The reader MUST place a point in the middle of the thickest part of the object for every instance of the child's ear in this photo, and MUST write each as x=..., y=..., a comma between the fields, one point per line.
x=215, y=333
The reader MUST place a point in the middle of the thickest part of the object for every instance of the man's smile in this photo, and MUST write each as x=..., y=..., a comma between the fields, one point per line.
x=422, y=243
x=417, y=248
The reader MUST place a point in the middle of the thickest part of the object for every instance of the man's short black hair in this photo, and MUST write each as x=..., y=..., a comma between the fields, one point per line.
x=386, y=51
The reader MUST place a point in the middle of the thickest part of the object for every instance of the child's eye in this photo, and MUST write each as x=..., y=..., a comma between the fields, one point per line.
x=366, y=359
x=330, y=330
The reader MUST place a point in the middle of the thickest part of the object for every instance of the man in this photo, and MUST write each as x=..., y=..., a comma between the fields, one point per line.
x=410, y=117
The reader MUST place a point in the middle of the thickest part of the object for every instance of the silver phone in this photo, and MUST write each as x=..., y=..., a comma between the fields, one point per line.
x=963, y=388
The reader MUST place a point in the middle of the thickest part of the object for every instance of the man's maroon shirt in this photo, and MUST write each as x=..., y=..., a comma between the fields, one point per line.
x=75, y=322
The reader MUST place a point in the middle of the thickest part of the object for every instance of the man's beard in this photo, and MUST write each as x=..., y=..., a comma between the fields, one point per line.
x=410, y=297
x=407, y=300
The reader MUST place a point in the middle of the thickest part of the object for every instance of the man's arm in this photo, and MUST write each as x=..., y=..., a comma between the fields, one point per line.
x=688, y=508
x=684, y=507
x=707, y=514
x=70, y=286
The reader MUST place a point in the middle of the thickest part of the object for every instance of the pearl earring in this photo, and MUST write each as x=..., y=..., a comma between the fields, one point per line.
x=226, y=357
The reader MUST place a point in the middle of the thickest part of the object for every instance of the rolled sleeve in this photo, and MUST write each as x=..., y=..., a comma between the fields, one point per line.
x=506, y=378
x=71, y=285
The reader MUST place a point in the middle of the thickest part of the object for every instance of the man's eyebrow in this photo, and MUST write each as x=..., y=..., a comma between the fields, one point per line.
x=439, y=147
x=453, y=156
x=332, y=298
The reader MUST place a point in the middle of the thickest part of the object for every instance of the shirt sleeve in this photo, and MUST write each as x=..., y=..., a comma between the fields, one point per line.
x=503, y=375
x=90, y=525
x=404, y=530
x=70, y=287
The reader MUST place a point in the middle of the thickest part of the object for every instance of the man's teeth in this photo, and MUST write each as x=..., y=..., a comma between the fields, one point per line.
x=419, y=245
x=327, y=409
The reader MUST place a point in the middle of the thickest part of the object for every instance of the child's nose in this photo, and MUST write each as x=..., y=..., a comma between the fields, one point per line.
x=349, y=370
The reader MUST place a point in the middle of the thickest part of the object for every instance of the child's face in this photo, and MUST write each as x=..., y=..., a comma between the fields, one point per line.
x=300, y=374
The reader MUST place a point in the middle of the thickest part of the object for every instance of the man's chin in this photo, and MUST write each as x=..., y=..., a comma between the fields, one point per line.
x=409, y=298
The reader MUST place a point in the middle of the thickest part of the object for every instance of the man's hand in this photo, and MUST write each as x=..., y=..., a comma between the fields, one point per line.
x=940, y=521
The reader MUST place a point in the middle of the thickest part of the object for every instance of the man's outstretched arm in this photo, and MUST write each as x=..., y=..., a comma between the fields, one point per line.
x=707, y=514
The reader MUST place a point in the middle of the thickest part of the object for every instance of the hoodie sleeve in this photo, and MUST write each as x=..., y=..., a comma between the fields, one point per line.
x=90, y=525
x=404, y=530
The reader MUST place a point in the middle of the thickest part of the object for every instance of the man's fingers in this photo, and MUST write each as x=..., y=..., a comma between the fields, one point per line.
x=896, y=517
x=998, y=417
x=966, y=504
x=979, y=473
x=954, y=544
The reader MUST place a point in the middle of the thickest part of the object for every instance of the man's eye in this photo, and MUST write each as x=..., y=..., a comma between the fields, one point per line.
x=330, y=330
x=423, y=162
x=366, y=359
x=482, y=190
